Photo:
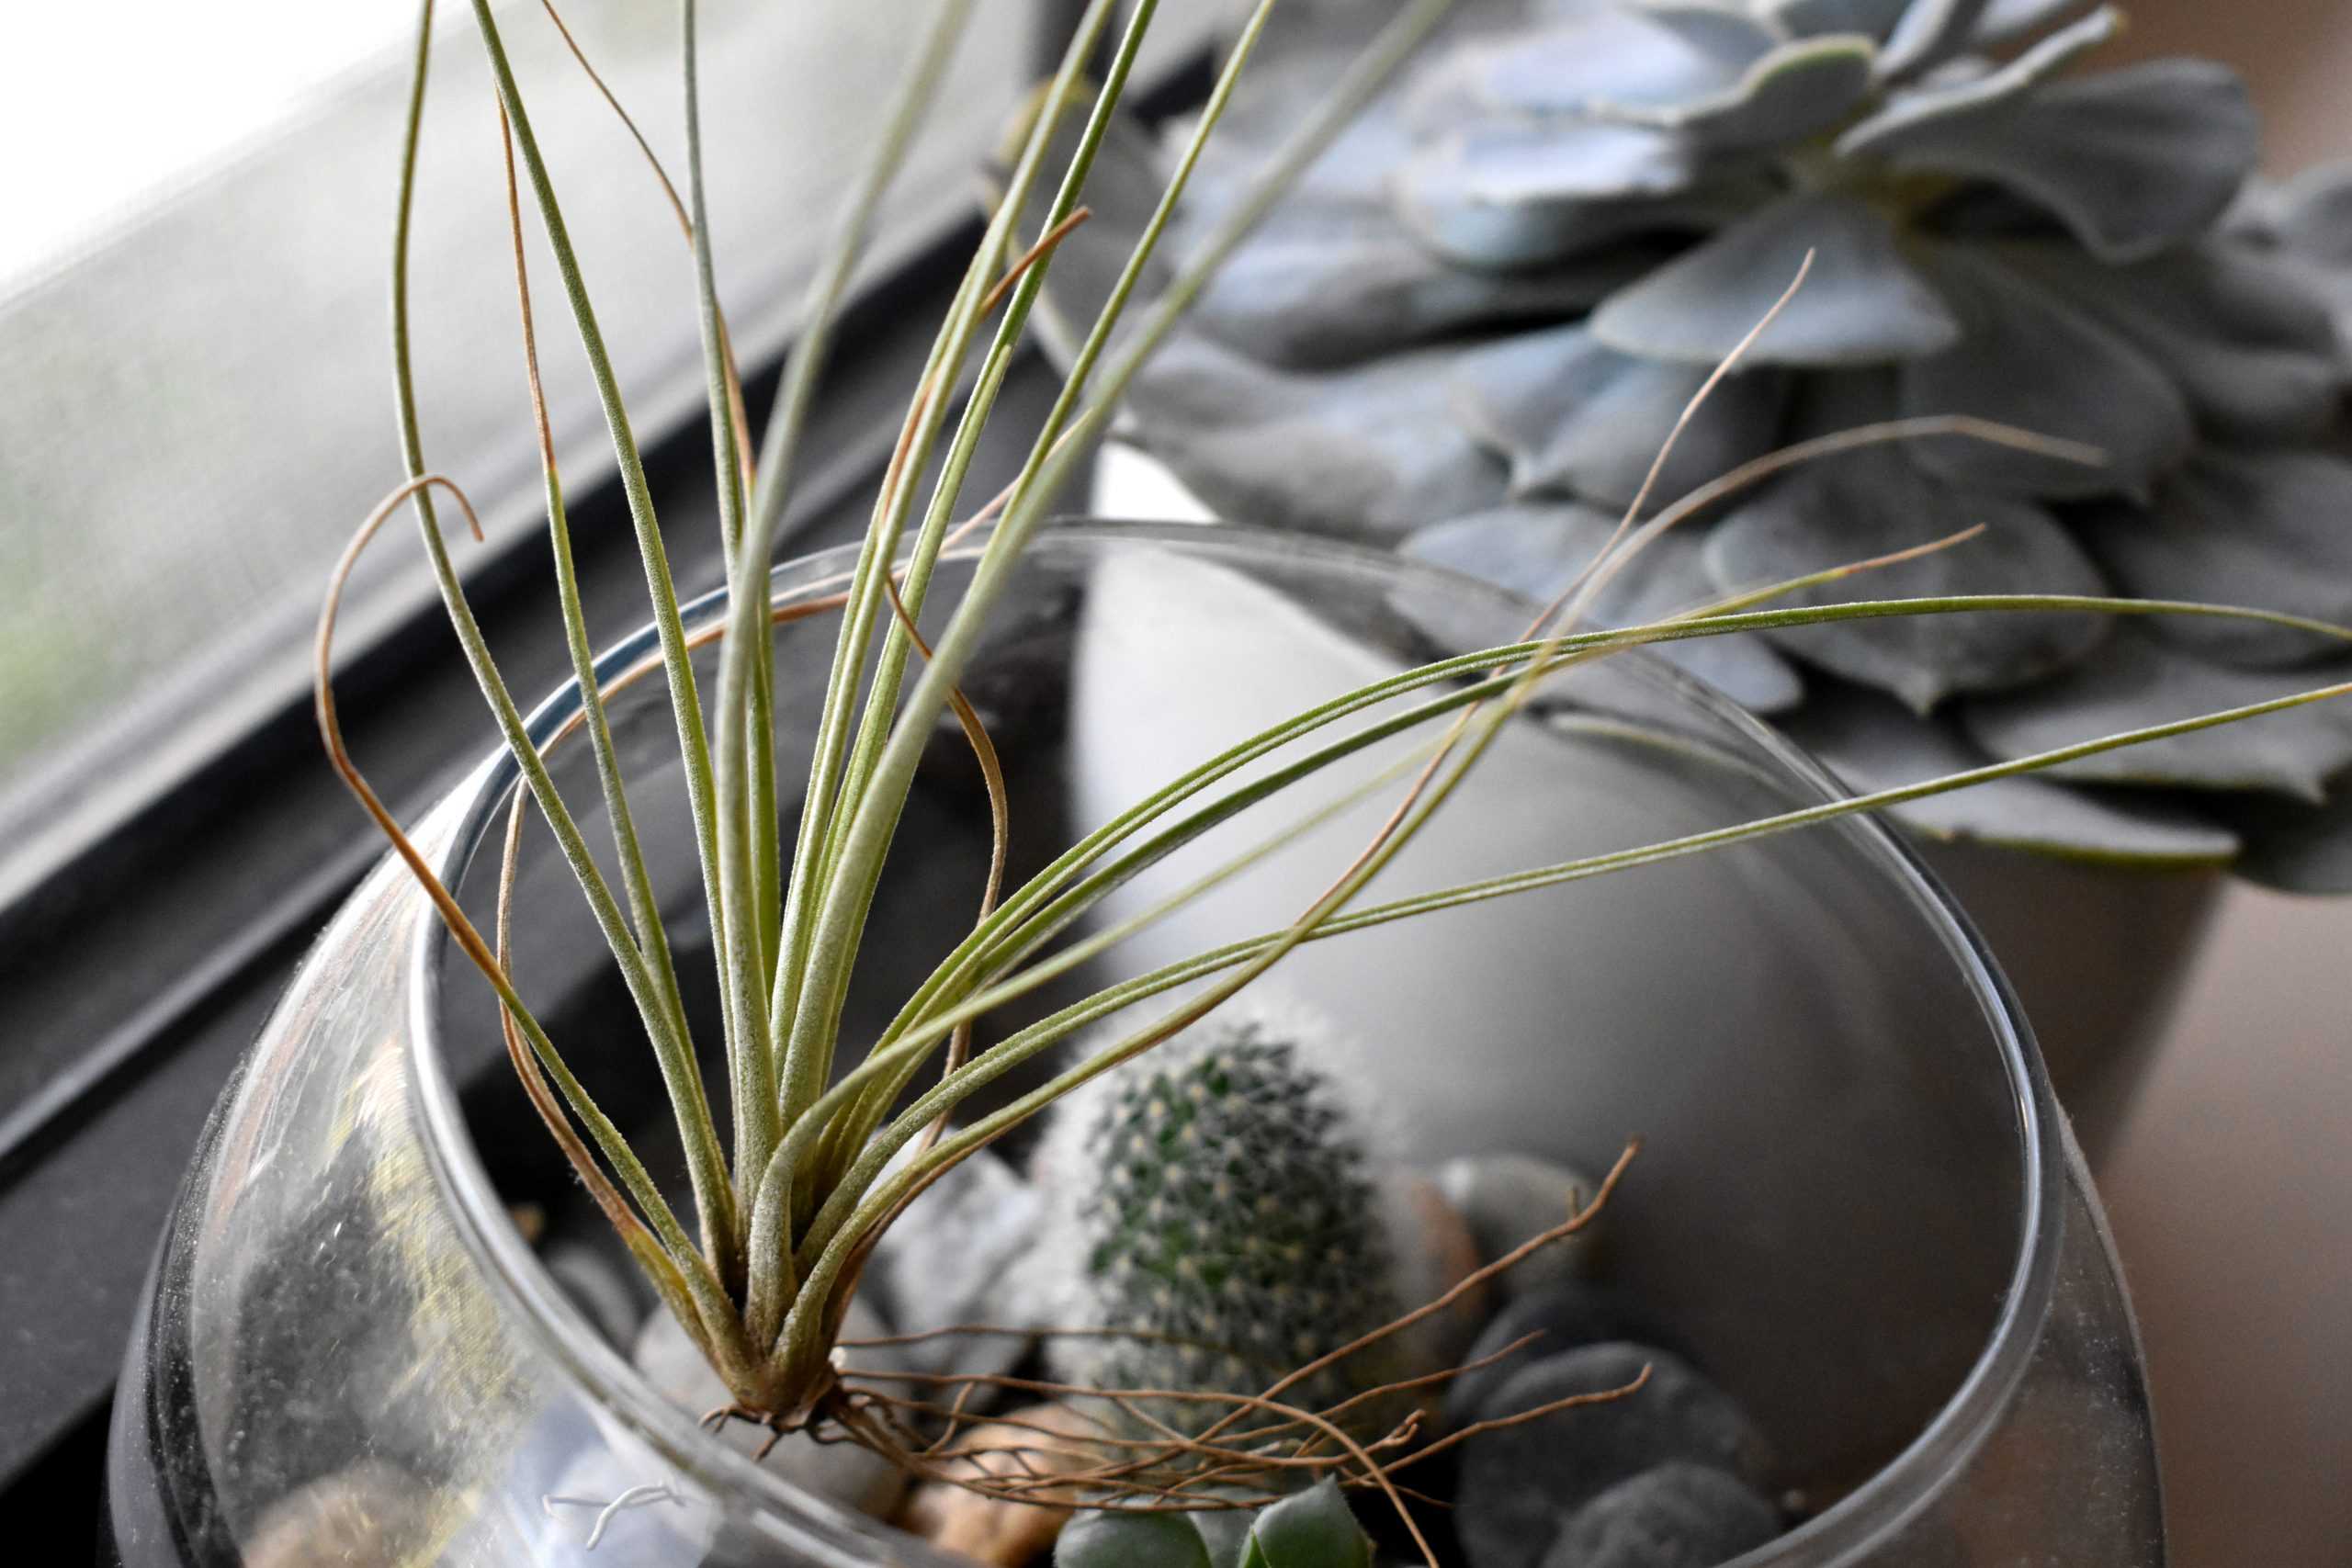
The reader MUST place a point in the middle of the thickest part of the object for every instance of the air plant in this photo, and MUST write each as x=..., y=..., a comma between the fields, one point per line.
x=1473, y=317
x=761, y=1273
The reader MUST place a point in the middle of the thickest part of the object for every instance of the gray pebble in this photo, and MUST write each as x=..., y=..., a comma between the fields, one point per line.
x=1570, y=1315
x=1508, y=1199
x=950, y=1259
x=1677, y=1516
x=845, y=1472
x=1521, y=1486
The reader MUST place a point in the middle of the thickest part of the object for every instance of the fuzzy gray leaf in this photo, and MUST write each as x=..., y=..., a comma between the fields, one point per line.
x=2294, y=847
x=1536, y=550
x=1923, y=105
x=2137, y=680
x=2132, y=160
x=1862, y=304
x=1873, y=743
x=1506, y=197
x=1798, y=89
x=2252, y=351
x=1929, y=32
x=2267, y=530
x=1367, y=452
x=2027, y=360
x=1874, y=501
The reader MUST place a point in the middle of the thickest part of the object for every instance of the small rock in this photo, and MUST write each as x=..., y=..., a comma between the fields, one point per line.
x=368, y=1515
x=1441, y=1253
x=996, y=1531
x=1508, y=1199
x=845, y=1473
x=1521, y=1486
x=1569, y=1315
x=947, y=1262
x=1677, y=1516
x=599, y=1286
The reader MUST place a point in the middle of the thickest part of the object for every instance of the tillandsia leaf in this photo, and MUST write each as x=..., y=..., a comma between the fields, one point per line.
x=2267, y=528
x=1935, y=100
x=1864, y=303
x=1537, y=550
x=1875, y=743
x=2291, y=846
x=1851, y=507
x=1798, y=89
x=1928, y=33
x=1572, y=417
x=2132, y=161
x=2028, y=358
x=1505, y=198
x=2251, y=350
x=1370, y=450
x=2136, y=678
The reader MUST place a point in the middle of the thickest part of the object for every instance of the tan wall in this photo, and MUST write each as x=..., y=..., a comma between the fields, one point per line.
x=2298, y=54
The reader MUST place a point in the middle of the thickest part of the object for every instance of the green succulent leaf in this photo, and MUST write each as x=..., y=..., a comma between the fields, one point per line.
x=1537, y=549
x=2132, y=161
x=1938, y=100
x=1311, y=1530
x=1509, y=196
x=2026, y=359
x=1862, y=303
x=1875, y=743
x=2137, y=679
x=1795, y=91
x=1369, y=451
x=1873, y=502
x=2250, y=349
x=2291, y=846
x=2272, y=530
x=1126, y=1539
x=1573, y=417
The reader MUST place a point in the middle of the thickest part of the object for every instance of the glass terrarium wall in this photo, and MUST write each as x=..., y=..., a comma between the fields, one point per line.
x=1852, y=1204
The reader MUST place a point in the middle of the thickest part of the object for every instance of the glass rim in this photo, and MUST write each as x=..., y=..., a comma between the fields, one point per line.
x=1871, y=1513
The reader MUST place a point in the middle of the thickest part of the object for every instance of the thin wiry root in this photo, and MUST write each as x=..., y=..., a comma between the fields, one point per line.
x=1127, y=1454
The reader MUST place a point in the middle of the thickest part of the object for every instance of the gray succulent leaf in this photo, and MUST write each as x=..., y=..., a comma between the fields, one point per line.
x=1863, y=303
x=2312, y=214
x=1611, y=54
x=2138, y=679
x=2027, y=359
x=1873, y=742
x=1368, y=452
x=2006, y=22
x=1508, y=198
x=1928, y=33
x=1810, y=18
x=2269, y=530
x=1537, y=549
x=2291, y=846
x=1569, y=416
x=2133, y=159
x=2251, y=350
x=1737, y=34
x=1797, y=90
x=1876, y=500
x=1977, y=91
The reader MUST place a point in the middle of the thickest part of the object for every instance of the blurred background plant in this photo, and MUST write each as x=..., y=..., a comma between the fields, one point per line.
x=1465, y=331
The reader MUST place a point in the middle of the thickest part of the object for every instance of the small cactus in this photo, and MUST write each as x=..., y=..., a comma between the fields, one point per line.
x=1215, y=1197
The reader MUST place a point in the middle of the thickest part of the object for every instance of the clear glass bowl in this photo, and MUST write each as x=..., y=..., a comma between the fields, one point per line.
x=1857, y=1205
